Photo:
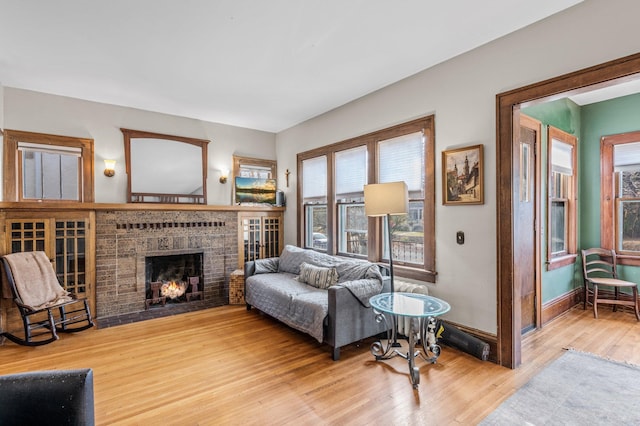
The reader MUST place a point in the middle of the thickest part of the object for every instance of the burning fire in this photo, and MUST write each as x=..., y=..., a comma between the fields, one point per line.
x=173, y=290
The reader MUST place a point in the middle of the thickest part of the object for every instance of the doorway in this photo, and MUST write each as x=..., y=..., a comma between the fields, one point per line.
x=510, y=249
x=527, y=274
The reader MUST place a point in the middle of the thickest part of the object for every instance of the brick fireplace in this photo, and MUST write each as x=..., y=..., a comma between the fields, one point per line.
x=126, y=240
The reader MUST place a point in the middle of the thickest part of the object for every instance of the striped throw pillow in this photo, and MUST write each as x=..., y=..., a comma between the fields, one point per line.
x=318, y=276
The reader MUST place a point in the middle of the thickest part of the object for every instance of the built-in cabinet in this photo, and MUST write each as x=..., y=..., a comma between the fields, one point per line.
x=66, y=238
x=260, y=235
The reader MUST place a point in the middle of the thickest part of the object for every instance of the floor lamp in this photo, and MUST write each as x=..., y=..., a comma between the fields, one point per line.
x=386, y=199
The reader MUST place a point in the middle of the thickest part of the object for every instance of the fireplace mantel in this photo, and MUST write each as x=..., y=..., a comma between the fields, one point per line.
x=120, y=235
x=62, y=206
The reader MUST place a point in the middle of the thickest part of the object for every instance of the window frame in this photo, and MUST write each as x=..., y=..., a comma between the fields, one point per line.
x=343, y=243
x=249, y=162
x=12, y=189
x=319, y=200
x=385, y=245
x=569, y=255
x=309, y=234
x=608, y=196
x=423, y=272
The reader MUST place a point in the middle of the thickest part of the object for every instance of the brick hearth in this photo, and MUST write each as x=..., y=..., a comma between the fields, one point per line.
x=125, y=238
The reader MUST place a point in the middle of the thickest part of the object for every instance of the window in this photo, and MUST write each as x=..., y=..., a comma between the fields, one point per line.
x=350, y=179
x=254, y=167
x=561, y=189
x=332, y=181
x=314, y=200
x=41, y=167
x=402, y=159
x=620, y=195
x=49, y=173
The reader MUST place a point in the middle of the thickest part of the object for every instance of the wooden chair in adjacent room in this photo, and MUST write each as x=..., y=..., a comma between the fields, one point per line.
x=45, y=307
x=599, y=267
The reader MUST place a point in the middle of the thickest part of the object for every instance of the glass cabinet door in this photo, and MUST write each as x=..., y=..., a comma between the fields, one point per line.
x=65, y=241
x=259, y=237
x=70, y=240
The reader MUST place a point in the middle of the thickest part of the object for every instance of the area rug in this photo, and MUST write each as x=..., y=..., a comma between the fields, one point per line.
x=576, y=389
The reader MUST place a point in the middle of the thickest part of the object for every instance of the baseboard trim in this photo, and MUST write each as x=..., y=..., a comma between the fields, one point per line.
x=561, y=304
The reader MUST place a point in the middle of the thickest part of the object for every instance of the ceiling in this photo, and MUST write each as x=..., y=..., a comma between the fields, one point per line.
x=265, y=65
x=610, y=91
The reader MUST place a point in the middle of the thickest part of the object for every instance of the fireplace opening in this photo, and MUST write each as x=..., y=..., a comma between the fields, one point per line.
x=173, y=279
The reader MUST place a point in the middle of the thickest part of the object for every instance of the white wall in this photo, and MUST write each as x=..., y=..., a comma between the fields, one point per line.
x=44, y=113
x=1, y=128
x=461, y=93
x=1, y=106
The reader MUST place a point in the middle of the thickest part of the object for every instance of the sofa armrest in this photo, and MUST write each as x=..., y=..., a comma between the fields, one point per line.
x=249, y=269
x=348, y=320
x=47, y=397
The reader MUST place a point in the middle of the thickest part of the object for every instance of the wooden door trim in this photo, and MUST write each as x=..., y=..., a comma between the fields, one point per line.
x=536, y=126
x=608, y=73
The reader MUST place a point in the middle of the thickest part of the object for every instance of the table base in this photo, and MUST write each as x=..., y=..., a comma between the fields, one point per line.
x=424, y=327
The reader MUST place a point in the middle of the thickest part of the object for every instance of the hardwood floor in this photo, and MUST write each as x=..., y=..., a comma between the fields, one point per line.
x=229, y=366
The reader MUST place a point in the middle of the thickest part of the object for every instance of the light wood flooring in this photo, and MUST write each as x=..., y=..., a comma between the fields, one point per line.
x=227, y=366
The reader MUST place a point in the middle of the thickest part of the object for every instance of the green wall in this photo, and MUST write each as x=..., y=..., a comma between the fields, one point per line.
x=618, y=115
x=589, y=123
x=564, y=115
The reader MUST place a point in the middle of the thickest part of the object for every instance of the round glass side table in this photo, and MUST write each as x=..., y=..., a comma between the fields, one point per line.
x=422, y=311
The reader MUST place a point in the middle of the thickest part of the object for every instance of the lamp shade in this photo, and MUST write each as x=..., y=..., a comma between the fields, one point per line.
x=381, y=199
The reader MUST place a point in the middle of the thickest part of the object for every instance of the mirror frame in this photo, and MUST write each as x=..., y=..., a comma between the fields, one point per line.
x=138, y=197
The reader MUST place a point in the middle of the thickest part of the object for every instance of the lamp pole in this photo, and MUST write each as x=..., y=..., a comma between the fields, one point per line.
x=395, y=343
x=390, y=251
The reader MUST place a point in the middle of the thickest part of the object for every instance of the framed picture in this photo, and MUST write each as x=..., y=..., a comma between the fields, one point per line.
x=255, y=190
x=463, y=176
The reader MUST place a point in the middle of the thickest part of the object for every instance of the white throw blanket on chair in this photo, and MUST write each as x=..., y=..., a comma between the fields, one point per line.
x=35, y=280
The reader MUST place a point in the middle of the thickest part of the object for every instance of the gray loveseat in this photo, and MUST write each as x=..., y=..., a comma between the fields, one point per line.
x=324, y=296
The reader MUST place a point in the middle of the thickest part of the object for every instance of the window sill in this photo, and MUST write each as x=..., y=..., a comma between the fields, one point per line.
x=561, y=261
x=628, y=259
x=414, y=273
x=400, y=271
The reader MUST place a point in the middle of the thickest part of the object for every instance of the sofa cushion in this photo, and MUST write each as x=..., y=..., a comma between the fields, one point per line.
x=283, y=297
x=318, y=276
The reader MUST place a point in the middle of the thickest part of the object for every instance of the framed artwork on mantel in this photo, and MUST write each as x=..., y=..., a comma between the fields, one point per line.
x=463, y=176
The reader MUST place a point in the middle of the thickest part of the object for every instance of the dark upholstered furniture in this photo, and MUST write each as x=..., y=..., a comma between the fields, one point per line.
x=346, y=318
x=60, y=397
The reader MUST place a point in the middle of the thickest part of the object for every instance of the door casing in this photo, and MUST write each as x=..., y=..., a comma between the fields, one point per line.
x=609, y=73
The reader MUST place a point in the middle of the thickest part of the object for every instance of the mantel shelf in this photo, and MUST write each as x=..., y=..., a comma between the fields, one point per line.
x=61, y=206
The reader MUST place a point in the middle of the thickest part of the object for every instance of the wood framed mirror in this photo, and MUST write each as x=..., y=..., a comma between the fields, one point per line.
x=165, y=168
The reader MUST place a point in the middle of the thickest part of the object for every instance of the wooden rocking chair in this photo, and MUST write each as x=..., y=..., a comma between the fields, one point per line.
x=45, y=307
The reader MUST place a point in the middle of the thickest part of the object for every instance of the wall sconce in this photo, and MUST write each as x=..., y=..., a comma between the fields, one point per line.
x=224, y=174
x=109, y=168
